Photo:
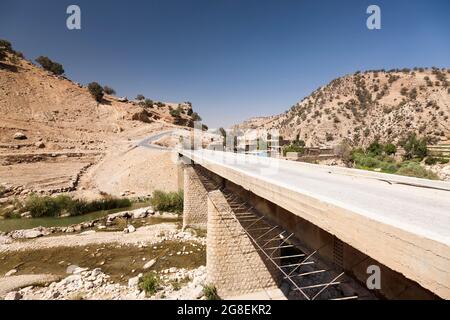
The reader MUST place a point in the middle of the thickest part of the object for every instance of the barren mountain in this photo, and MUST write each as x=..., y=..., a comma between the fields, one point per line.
x=363, y=106
x=52, y=131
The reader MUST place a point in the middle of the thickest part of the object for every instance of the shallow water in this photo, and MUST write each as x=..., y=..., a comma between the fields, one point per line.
x=7, y=225
x=121, y=262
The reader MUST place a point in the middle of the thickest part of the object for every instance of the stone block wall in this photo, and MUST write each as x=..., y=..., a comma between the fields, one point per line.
x=234, y=265
x=195, y=211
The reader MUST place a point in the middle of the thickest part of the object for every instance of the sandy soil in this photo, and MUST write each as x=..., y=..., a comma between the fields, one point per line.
x=135, y=172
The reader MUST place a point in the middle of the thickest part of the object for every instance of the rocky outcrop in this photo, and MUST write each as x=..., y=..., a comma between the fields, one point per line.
x=95, y=284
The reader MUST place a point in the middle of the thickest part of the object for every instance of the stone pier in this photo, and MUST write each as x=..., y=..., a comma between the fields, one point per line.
x=195, y=212
x=234, y=264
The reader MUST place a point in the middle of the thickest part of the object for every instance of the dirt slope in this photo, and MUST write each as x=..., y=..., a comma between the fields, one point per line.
x=68, y=134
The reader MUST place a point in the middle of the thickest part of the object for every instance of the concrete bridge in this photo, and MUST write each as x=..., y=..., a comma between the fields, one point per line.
x=318, y=230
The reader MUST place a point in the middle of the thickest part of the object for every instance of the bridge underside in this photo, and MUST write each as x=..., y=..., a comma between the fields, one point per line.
x=254, y=245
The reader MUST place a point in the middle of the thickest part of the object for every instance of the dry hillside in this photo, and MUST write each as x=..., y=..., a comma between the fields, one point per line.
x=53, y=133
x=363, y=106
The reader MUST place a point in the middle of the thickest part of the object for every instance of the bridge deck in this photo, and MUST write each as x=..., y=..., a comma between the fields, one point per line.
x=402, y=222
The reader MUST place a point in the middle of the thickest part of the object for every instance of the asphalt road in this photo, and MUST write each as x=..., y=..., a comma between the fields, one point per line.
x=148, y=142
x=423, y=210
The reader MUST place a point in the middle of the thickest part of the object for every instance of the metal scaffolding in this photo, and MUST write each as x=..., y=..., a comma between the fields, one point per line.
x=300, y=268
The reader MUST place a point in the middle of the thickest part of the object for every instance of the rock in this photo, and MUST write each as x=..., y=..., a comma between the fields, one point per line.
x=149, y=264
x=96, y=272
x=79, y=270
x=40, y=145
x=26, y=215
x=197, y=292
x=139, y=213
x=5, y=240
x=31, y=234
x=10, y=272
x=126, y=230
x=70, y=269
x=20, y=136
x=88, y=285
x=134, y=282
x=131, y=229
x=70, y=230
x=14, y=295
x=86, y=233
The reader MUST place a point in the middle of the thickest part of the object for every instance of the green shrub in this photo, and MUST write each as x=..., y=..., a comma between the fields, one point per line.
x=414, y=169
x=175, y=113
x=49, y=65
x=293, y=148
x=432, y=161
x=210, y=292
x=55, y=206
x=5, y=46
x=96, y=91
x=390, y=149
x=150, y=283
x=79, y=207
x=414, y=147
x=167, y=201
x=148, y=103
x=42, y=206
x=375, y=148
x=140, y=97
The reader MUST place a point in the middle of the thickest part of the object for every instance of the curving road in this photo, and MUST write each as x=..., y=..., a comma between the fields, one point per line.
x=149, y=141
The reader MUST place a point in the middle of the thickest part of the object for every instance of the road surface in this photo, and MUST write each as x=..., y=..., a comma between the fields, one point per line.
x=148, y=142
x=415, y=205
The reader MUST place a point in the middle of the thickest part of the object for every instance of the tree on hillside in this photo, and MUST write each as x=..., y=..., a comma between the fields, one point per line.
x=175, y=113
x=109, y=90
x=96, y=91
x=49, y=65
x=148, y=103
x=5, y=46
x=140, y=97
x=414, y=147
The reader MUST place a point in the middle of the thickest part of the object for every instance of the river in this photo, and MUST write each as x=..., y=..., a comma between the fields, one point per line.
x=7, y=225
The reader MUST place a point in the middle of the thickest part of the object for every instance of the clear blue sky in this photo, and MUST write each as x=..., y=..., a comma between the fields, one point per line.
x=233, y=59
